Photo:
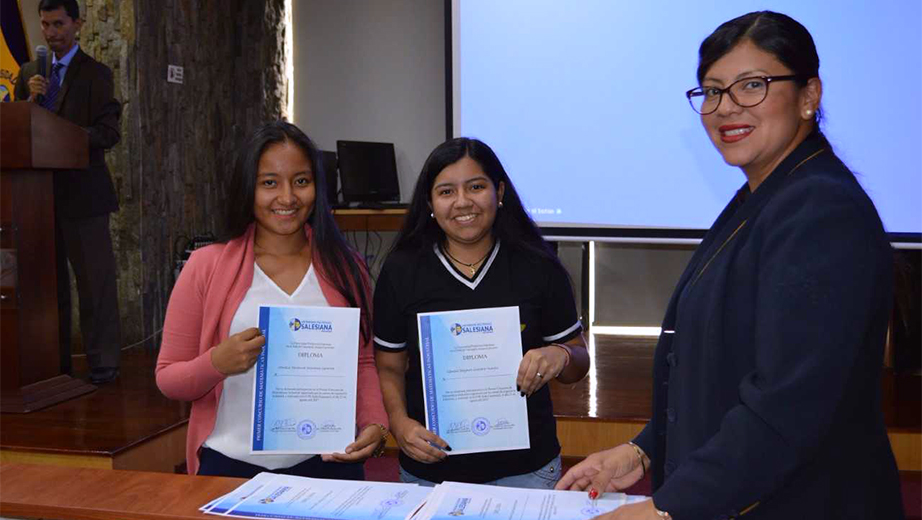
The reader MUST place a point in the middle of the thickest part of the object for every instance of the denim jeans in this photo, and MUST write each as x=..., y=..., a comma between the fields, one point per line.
x=542, y=478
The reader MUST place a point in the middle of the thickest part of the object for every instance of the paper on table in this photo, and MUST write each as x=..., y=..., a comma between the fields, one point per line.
x=300, y=498
x=452, y=500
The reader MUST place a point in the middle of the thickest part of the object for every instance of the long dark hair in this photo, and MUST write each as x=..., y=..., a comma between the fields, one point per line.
x=777, y=34
x=340, y=262
x=512, y=225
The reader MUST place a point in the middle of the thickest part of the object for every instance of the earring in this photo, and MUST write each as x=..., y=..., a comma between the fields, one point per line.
x=500, y=203
x=432, y=215
x=808, y=113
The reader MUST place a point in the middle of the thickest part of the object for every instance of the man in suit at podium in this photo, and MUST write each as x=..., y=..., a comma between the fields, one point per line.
x=80, y=89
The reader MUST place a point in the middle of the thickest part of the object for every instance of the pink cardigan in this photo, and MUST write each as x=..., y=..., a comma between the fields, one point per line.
x=204, y=300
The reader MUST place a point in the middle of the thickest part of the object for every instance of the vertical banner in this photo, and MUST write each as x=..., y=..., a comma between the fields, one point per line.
x=259, y=414
x=428, y=367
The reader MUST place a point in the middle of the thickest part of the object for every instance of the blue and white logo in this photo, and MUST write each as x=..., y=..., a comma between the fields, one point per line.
x=466, y=328
x=275, y=495
x=307, y=429
x=480, y=426
x=319, y=326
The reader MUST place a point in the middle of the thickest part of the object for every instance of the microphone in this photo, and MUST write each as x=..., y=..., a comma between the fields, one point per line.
x=42, y=52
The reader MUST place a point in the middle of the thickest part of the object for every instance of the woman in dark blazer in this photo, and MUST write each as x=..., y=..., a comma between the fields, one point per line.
x=766, y=400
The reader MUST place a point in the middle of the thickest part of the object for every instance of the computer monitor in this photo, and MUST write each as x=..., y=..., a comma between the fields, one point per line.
x=329, y=170
x=368, y=171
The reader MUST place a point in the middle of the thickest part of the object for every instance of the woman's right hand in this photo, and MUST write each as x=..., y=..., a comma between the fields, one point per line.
x=614, y=469
x=413, y=438
x=239, y=352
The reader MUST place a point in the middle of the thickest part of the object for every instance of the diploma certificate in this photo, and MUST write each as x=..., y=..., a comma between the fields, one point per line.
x=469, y=362
x=451, y=500
x=299, y=498
x=304, y=389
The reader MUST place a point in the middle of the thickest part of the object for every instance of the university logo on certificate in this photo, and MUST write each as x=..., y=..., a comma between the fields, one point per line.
x=469, y=362
x=305, y=384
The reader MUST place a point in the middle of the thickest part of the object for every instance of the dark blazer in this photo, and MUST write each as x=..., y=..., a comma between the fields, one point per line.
x=86, y=99
x=767, y=394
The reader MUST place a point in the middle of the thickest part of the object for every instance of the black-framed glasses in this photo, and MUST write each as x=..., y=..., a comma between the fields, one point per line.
x=746, y=92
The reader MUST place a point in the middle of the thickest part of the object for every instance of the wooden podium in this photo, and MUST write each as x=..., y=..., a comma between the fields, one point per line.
x=33, y=143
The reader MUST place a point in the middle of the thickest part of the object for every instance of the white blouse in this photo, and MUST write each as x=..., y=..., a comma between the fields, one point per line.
x=231, y=434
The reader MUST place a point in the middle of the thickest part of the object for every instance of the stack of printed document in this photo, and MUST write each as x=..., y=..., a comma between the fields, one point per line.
x=268, y=495
x=451, y=500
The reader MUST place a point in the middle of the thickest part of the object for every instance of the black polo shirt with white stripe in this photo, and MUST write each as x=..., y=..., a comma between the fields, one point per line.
x=412, y=282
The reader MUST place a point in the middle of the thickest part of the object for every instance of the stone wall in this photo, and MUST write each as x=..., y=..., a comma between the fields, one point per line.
x=108, y=36
x=179, y=141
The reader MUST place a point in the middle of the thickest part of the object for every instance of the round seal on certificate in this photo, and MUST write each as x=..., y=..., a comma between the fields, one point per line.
x=307, y=429
x=480, y=426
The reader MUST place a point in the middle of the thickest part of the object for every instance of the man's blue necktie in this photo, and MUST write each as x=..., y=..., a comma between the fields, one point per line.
x=54, y=85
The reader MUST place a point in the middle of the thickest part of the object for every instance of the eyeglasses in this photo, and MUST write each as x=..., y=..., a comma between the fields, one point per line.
x=746, y=92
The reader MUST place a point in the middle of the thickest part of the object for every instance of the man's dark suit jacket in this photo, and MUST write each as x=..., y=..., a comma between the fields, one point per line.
x=767, y=395
x=86, y=99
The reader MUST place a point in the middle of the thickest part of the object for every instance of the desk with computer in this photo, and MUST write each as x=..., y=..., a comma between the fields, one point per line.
x=365, y=175
x=362, y=186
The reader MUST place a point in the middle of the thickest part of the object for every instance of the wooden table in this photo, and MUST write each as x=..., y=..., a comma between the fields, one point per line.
x=369, y=219
x=56, y=493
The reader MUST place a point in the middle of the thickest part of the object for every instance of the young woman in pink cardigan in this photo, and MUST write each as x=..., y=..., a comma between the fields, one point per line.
x=285, y=250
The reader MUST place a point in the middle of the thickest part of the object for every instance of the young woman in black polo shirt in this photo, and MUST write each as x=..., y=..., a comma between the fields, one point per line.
x=469, y=243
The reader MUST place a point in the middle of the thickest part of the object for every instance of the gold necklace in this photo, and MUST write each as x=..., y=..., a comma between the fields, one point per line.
x=465, y=264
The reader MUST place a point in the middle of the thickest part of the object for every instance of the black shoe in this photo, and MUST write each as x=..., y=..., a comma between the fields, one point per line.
x=101, y=376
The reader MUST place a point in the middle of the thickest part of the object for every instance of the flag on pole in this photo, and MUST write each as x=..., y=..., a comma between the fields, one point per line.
x=14, y=47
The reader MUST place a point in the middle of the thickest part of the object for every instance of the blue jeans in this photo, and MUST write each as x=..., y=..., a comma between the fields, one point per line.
x=545, y=477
